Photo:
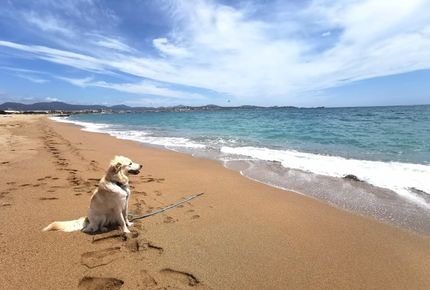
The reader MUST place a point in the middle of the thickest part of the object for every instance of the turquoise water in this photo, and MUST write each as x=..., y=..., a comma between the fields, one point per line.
x=305, y=150
x=374, y=133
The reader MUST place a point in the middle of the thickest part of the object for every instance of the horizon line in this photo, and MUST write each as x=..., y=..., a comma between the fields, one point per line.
x=221, y=106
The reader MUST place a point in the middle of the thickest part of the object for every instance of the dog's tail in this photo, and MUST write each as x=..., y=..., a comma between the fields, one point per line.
x=67, y=226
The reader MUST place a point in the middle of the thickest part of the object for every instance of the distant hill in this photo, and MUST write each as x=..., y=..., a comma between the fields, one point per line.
x=60, y=106
x=51, y=106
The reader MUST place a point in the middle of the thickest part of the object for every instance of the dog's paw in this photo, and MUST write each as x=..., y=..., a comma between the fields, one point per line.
x=103, y=229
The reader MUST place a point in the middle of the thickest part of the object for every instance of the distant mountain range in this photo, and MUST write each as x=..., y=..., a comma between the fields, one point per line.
x=52, y=106
x=60, y=106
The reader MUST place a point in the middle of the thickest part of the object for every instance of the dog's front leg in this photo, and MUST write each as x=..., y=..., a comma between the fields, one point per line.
x=125, y=212
x=123, y=224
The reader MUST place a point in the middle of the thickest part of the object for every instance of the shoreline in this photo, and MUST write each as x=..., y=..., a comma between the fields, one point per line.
x=362, y=198
x=240, y=235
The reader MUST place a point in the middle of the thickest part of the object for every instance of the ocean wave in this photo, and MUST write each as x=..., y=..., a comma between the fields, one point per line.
x=407, y=179
x=402, y=178
x=133, y=135
x=86, y=126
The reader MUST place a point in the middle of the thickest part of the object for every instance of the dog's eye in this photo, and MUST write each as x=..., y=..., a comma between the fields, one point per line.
x=131, y=163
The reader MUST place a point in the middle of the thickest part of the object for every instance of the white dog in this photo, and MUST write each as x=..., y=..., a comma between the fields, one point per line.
x=109, y=202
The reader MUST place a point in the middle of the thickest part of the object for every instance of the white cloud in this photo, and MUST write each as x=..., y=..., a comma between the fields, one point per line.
x=110, y=43
x=236, y=51
x=28, y=74
x=163, y=45
x=26, y=100
x=139, y=88
x=22, y=70
x=73, y=59
x=33, y=79
x=149, y=88
x=48, y=23
x=83, y=82
x=50, y=99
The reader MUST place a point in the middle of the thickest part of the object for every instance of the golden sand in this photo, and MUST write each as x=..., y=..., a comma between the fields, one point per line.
x=239, y=235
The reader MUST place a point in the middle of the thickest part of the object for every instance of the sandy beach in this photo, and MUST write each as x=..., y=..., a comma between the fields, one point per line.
x=239, y=235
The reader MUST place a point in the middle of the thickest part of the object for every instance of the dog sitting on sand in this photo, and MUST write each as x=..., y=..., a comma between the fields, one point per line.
x=109, y=202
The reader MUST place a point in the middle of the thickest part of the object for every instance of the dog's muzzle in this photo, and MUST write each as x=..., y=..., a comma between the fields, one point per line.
x=135, y=171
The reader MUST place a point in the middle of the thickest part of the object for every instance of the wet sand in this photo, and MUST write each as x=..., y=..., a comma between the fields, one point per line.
x=239, y=235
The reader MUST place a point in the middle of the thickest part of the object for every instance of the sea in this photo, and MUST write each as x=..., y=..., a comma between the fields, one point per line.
x=306, y=150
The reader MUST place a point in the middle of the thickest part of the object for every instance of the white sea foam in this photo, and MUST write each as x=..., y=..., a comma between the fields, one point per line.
x=134, y=135
x=86, y=126
x=399, y=177
x=161, y=141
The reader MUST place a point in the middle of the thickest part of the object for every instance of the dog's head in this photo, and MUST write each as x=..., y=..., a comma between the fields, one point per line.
x=121, y=166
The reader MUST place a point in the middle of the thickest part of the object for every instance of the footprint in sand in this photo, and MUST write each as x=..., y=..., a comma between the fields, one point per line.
x=99, y=258
x=48, y=198
x=147, y=281
x=94, y=165
x=80, y=189
x=169, y=219
x=99, y=283
x=152, y=179
x=180, y=277
x=138, y=245
x=193, y=217
x=140, y=193
x=116, y=234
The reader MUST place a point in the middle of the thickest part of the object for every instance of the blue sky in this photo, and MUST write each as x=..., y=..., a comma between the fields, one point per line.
x=152, y=53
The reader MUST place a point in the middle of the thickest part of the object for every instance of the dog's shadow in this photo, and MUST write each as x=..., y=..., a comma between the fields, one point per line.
x=112, y=233
x=112, y=228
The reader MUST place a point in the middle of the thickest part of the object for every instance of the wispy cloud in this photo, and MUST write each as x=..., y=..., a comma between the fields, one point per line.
x=6, y=97
x=140, y=88
x=249, y=52
x=110, y=43
x=64, y=57
x=33, y=79
x=31, y=75
x=48, y=23
x=167, y=48
x=82, y=82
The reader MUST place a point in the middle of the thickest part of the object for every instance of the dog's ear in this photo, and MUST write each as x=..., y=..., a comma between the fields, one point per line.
x=117, y=167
